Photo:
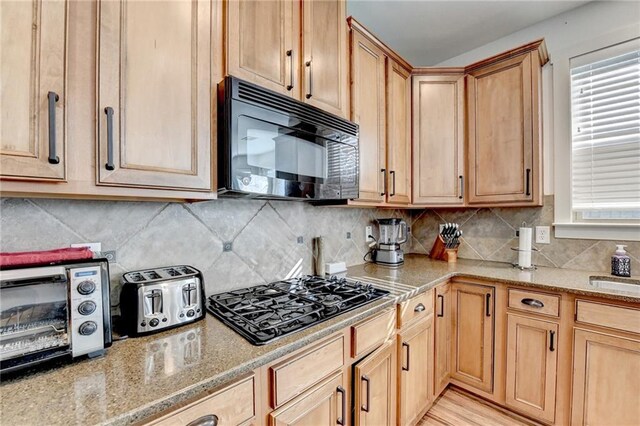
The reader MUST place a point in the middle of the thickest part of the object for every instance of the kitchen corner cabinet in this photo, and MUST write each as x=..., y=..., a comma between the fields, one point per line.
x=442, y=338
x=504, y=129
x=33, y=95
x=605, y=379
x=398, y=133
x=472, y=310
x=438, y=139
x=415, y=371
x=155, y=94
x=375, y=388
x=532, y=359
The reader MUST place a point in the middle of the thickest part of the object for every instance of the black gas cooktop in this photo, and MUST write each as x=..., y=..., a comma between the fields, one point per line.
x=266, y=312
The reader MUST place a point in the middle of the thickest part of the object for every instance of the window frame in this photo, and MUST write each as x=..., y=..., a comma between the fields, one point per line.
x=564, y=224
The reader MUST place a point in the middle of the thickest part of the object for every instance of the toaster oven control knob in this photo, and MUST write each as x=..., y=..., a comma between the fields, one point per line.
x=154, y=322
x=86, y=287
x=87, y=307
x=87, y=328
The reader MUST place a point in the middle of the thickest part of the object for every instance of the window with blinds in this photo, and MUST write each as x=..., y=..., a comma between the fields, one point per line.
x=605, y=139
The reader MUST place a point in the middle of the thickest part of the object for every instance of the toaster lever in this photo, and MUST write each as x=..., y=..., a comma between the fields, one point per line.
x=189, y=294
x=153, y=302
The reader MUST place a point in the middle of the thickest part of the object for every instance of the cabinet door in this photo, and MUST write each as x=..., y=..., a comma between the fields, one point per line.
x=438, y=140
x=442, y=338
x=368, y=110
x=398, y=134
x=503, y=120
x=263, y=44
x=326, y=55
x=155, y=94
x=32, y=95
x=532, y=359
x=605, y=380
x=415, y=371
x=322, y=405
x=375, y=388
x=472, y=310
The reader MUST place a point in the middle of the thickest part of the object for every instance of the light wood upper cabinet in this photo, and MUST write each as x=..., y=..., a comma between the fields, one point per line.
x=415, y=371
x=473, y=329
x=322, y=405
x=263, y=43
x=532, y=359
x=325, y=56
x=368, y=111
x=438, y=139
x=375, y=388
x=442, y=338
x=33, y=96
x=155, y=94
x=605, y=379
x=503, y=101
x=398, y=134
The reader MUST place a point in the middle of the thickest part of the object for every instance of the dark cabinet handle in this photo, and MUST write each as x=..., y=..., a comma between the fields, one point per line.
x=208, y=420
x=528, y=182
x=109, y=165
x=552, y=338
x=461, y=187
x=52, y=97
x=364, y=407
x=340, y=420
x=393, y=183
x=291, y=77
x=534, y=303
x=488, y=304
x=419, y=308
x=310, y=93
x=384, y=181
x=441, y=298
x=406, y=345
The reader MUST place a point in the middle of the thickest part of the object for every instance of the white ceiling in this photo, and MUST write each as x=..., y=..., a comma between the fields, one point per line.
x=427, y=32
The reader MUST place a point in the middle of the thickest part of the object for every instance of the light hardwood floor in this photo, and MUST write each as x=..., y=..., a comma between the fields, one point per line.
x=458, y=408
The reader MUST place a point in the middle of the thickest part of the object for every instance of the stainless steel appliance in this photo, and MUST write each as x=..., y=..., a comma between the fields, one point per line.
x=264, y=313
x=54, y=311
x=272, y=146
x=156, y=299
x=393, y=232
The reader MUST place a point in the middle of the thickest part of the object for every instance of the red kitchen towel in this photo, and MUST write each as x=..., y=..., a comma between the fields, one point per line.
x=44, y=257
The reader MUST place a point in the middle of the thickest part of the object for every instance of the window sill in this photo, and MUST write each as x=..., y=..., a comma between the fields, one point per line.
x=598, y=231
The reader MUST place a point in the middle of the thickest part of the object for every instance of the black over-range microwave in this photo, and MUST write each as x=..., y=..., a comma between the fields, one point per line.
x=272, y=146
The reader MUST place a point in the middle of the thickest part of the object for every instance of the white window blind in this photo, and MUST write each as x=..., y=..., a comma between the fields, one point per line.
x=605, y=118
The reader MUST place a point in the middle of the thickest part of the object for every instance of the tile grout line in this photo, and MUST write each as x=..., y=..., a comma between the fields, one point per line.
x=54, y=217
x=146, y=225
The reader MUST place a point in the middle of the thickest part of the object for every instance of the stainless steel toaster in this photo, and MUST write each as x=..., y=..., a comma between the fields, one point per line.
x=156, y=299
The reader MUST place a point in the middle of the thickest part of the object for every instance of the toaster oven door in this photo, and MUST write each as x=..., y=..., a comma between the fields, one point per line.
x=34, y=315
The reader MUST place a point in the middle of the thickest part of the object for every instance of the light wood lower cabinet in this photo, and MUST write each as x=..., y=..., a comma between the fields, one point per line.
x=442, y=338
x=606, y=379
x=375, y=387
x=473, y=329
x=33, y=90
x=415, y=372
x=532, y=359
x=322, y=405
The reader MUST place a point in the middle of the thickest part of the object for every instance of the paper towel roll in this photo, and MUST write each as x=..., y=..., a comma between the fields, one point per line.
x=524, y=247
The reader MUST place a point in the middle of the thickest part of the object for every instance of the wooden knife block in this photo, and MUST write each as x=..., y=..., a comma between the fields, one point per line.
x=440, y=252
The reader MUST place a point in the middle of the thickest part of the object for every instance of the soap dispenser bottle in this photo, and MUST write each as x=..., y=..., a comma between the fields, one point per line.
x=621, y=262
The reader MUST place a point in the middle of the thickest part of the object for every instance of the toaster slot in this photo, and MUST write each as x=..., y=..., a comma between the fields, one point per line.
x=189, y=294
x=152, y=302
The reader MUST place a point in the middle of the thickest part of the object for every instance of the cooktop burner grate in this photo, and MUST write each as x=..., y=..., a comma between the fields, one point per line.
x=264, y=313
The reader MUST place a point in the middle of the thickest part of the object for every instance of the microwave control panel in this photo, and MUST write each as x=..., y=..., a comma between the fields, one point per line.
x=87, y=322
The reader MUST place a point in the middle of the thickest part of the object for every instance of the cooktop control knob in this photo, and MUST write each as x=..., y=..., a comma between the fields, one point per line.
x=87, y=328
x=154, y=322
x=86, y=287
x=191, y=313
x=87, y=307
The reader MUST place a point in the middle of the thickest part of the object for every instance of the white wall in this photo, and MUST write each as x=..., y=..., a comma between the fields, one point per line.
x=590, y=27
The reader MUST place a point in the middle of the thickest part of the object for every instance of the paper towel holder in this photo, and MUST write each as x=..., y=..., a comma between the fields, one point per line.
x=533, y=267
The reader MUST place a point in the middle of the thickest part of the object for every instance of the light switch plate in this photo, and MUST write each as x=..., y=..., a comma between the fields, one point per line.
x=543, y=235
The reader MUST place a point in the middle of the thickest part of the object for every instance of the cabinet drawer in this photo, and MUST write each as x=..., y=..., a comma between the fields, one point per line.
x=420, y=306
x=611, y=316
x=533, y=301
x=232, y=405
x=293, y=376
x=372, y=332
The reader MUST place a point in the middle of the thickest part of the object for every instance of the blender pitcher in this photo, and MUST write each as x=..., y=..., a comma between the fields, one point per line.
x=392, y=231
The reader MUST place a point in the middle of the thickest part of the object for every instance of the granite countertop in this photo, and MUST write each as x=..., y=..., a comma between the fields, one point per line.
x=141, y=377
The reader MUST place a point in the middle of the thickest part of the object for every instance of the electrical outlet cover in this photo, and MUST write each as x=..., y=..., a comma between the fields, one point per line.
x=543, y=235
x=94, y=247
x=368, y=230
